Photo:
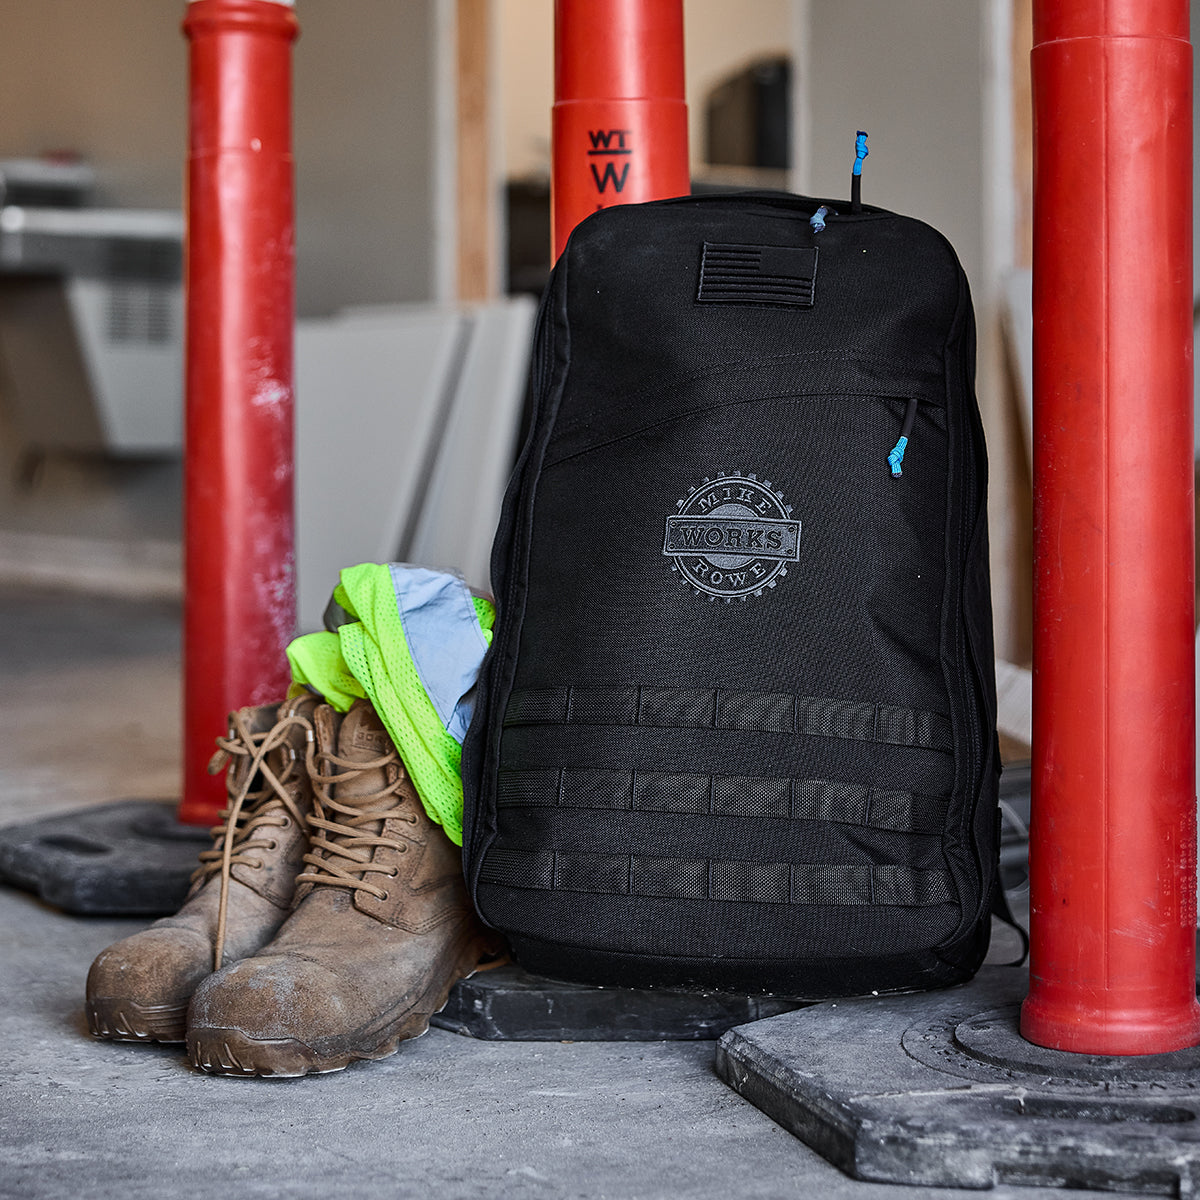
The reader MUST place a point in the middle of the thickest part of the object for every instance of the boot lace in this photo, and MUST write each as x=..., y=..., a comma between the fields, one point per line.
x=249, y=814
x=341, y=849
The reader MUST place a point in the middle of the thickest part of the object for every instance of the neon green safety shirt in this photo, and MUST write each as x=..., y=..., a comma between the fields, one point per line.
x=411, y=641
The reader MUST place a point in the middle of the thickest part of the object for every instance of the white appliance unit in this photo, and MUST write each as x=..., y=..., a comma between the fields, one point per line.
x=91, y=317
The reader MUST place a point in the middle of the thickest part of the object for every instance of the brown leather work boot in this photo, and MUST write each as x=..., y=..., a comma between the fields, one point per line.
x=138, y=989
x=382, y=929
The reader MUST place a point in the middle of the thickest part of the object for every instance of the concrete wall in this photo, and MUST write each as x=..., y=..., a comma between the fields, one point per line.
x=113, y=87
x=910, y=75
x=108, y=80
x=365, y=152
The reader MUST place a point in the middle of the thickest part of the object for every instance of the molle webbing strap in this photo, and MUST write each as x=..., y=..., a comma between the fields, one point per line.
x=724, y=795
x=720, y=881
x=776, y=712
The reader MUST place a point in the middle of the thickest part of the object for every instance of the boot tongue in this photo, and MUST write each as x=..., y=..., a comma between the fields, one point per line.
x=287, y=759
x=252, y=723
x=363, y=739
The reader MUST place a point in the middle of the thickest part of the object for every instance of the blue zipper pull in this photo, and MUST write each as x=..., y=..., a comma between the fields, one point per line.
x=817, y=220
x=860, y=152
x=896, y=457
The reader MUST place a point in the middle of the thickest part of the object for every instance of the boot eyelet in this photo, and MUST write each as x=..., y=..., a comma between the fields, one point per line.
x=383, y=897
x=272, y=845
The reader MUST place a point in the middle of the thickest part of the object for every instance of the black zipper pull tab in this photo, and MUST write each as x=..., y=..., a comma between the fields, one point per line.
x=897, y=455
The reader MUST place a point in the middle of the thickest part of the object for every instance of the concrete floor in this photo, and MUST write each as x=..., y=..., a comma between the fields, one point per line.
x=113, y=525
x=89, y=706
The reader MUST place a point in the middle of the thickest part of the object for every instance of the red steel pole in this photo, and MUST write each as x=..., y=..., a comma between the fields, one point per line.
x=620, y=119
x=239, y=606
x=1112, y=856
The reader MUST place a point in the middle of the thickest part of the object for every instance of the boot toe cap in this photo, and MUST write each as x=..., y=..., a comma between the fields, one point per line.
x=275, y=997
x=273, y=1015
x=155, y=966
x=138, y=988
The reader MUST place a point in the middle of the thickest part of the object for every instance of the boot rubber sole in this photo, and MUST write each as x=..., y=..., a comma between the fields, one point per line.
x=231, y=1051
x=123, y=1020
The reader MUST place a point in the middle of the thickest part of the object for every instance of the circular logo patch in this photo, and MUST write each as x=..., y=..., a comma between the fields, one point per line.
x=732, y=537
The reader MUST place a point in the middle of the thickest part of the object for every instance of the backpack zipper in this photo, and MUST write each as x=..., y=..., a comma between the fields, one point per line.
x=896, y=457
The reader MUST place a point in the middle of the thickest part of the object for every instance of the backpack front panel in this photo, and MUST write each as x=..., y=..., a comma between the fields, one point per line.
x=727, y=744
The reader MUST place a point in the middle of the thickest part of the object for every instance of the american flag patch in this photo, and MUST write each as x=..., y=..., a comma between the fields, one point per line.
x=731, y=274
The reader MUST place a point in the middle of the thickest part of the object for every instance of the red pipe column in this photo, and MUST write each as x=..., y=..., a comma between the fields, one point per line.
x=620, y=119
x=1112, y=855
x=239, y=607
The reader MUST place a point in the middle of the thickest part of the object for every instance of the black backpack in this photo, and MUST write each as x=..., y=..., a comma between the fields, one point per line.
x=736, y=730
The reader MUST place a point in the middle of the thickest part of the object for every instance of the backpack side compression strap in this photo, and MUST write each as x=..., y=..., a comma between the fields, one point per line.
x=716, y=880
x=676, y=708
x=724, y=795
